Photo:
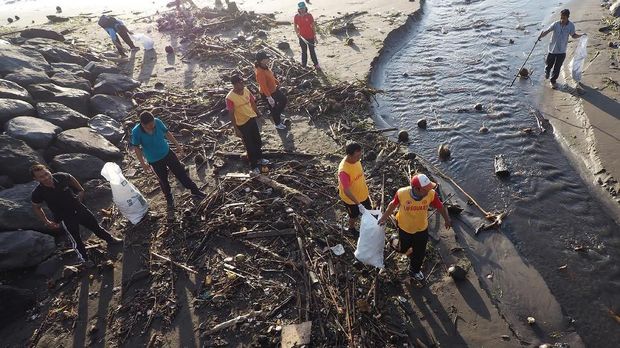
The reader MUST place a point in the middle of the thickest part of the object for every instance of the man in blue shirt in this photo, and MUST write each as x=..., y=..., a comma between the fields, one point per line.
x=148, y=139
x=114, y=26
x=561, y=29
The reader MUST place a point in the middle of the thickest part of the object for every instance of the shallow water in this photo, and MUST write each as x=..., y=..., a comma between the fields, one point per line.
x=459, y=55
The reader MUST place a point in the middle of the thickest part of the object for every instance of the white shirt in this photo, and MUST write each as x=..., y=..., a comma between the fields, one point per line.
x=559, y=37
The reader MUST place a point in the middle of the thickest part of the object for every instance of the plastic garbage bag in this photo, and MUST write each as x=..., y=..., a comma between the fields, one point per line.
x=371, y=241
x=144, y=40
x=579, y=58
x=126, y=196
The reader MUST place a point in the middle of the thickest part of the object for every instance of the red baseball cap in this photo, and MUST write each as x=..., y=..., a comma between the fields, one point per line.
x=422, y=181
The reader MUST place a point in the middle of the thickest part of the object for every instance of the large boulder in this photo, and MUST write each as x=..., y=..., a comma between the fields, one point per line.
x=37, y=133
x=107, y=83
x=11, y=90
x=116, y=107
x=61, y=115
x=16, y=158
x=69, y=80
x=76, y=99
x=6, y=182
x=27, y=77
x=42, y=33
x=70, y=68
x=86, y=140
x=13, y=58
x=41, y=42
x=108, y=127
x=23, y=249
x=97, y=68
x=82, y=166
x=60, y=55
x=16, y=209
x=614, y=10
x=97, y=194
x=15, y=304
x=10, y=108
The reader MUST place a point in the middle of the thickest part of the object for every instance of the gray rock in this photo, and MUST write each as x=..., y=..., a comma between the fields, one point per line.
x=61, y=115
x=97, y=194
x=21, y=300
x=82, y=166
x=116, y=107
x=70, y=68
x=97, y=68
x=37, y=133
x=69, y=80
x=614, y=10
x=86, y=140
x=11, y=90
x=55, y=54
x=42, y=33
x=22, y=249
x=5, y=182
x=108, y=127
x=40, y=42
x=76, y=99
x=13, y=58
x=16, y=158
x=107, y=83
x=16, y=209
x=27, y=77
x=50, y=267
x=10, y=108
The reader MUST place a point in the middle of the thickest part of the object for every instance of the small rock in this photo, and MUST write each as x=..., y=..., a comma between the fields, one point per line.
x=169, y=49
x=58, y=9
x=405, y=75
x=531, y=320
x=159, y=85
x=611, y=44
x=478, y=107
x=198, y=159
x=403, y=136
x=443, y=152
x=422, y=123
x=457, y=272
x=284, y=46
x=524, y=73
x=10, y=20
x=483, y=129
x=511, y=41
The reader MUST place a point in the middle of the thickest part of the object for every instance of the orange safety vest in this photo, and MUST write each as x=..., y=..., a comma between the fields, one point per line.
x=243, y=108
x=412, y=215
x=359, y=189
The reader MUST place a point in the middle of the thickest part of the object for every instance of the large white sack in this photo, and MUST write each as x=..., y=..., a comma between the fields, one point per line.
x=371, y=241
x=579, y=59
x=145, y=40
x=127, y=198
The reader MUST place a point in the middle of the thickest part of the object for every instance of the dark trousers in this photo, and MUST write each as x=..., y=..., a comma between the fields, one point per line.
x=554, y=61
x=252, y=141
x=276, y=110
x=71, y=225
x=161, y=170
x=123, y=32
x=416, y=241
x=304, y=52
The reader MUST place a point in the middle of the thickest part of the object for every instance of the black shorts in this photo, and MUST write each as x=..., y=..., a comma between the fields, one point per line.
x=354, y=211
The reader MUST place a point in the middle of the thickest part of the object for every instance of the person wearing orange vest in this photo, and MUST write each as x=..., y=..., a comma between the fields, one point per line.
x=352, y=186
x=412, y=220
x=304, y=28
x=241, y=106
x=268, y=87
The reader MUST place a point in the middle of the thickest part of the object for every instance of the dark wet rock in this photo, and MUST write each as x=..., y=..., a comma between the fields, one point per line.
x=41, y=42
x=403, y=136
x=97, y=68
x=69, y=80
x=61, y=55
x=76, y=99
x=16, y=157
x=74, y=69
x=478, y=107
x=444, y=152
x=483, y=129
x=97, y=194
x=11, y=90
x=116, y=107
x=86, y=140
x=13, y=58
x=16, y=209
x=61, y=116
x=107, y=83
x=614, y=9
x=16, y=302
x=284, y=46
x=457, y=273
x=27, y=77
x=422, y=123
x=57, y=19
x=49, y=267
x=108, y=127
x=22, y=249
x=42, y=33
x=82, y=166
x=6, y=182
x=10, y=108
x=37, y=133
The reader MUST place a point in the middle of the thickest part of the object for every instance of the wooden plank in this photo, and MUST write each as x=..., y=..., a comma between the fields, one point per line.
x=296, y=335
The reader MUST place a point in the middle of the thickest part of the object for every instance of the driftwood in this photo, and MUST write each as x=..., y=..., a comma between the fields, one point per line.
x=232, y=322
x=263, y=234
x=173, y=262
x=287, y=190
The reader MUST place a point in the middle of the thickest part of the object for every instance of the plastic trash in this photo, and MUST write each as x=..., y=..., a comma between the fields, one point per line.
x=144, y=40
x=126, y=196
x=338, y=249
x=371, y=241
x=579, y=58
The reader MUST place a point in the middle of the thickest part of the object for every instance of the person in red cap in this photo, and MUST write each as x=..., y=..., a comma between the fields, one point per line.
x=412, y=220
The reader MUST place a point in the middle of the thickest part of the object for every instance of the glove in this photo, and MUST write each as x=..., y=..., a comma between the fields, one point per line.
x=271, y=101
x=361, y=208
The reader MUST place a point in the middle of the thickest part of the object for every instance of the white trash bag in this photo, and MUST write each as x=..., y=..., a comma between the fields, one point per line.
x=127, y=198
x=144, y=40
x=579, y=59
x=371, y=242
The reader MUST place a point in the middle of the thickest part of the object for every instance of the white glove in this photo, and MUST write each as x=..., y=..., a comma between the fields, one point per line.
x=271, y=101
x=361, y=208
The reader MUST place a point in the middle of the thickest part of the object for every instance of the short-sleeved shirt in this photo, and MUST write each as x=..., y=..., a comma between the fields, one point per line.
x=60, y=199
x=304, y=22
x=116, y=23
x=241, y=106
x=559, y=37
x=154, y=146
